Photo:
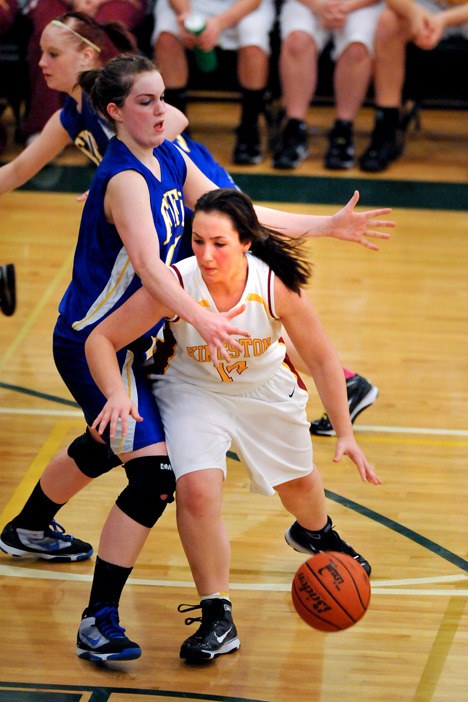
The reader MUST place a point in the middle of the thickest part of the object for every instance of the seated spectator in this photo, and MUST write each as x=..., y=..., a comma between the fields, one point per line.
x=306, y=27
x=43, y=101
x=240, y=25
x=8, y=10
x=425, y=23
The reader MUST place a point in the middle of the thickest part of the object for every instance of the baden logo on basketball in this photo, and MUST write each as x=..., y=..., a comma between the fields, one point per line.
x=331, y=591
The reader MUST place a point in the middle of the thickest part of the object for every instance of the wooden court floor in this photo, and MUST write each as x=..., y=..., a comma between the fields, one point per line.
x=398, y=317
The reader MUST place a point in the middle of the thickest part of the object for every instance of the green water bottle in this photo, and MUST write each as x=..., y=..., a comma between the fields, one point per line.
x=206, y=60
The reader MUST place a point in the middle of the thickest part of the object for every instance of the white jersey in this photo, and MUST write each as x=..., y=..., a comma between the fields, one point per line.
x=184, y=355
x=256, y=401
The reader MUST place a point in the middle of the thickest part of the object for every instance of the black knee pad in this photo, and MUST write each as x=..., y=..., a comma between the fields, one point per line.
x=91, y=457
x=148, y=478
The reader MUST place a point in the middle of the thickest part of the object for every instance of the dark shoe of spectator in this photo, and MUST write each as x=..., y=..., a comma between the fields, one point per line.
x=247, y=151
x=386, y=145
x=340, y=153
x=292, y=145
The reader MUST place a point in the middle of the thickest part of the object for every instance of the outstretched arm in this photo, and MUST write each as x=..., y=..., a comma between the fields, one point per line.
x=346, y=224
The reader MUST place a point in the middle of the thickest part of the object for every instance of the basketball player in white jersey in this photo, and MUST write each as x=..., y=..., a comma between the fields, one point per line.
x=255, y=399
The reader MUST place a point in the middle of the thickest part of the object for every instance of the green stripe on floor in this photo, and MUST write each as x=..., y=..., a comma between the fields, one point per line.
x=322, y=190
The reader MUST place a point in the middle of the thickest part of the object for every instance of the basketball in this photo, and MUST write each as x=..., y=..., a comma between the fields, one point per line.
x=331, y=591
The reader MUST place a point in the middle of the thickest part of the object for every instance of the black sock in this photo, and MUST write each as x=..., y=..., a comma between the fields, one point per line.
x=387, y=118
x=108, y=582
x=38, y=512
x=343, y=125
x=252, y=104
x=177, y=97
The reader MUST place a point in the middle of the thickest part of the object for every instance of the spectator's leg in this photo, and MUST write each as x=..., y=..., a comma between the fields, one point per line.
x=386, y=144
x=298, y=75
x=351, y=82
x=252, y=71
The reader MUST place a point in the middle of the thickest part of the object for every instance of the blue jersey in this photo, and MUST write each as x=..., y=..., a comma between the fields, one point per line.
x=103, y=276
x=87, y=130
x=202, y=158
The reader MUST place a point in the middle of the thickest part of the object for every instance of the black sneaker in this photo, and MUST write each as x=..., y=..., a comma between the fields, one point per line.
x=292, y=145
x=101, y=638
x=216, y=635
x=7, y=289
x=53, y=544
x=340, y=153
x=385, y=147
x=361, y=394
x=306, y=541
x=247, y=151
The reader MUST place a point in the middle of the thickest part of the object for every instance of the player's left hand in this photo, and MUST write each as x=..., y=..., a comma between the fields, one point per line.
x=358, y=227
x=118, y=407
x=348, y=446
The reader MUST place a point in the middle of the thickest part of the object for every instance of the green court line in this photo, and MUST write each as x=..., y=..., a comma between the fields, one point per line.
x=432, y=546
x=419, y=539
x=325, y=190
x=400, y=529
x=36, y=393
x=102, y=694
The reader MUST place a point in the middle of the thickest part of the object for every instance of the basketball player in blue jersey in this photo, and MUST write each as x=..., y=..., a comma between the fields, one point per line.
x=134, y=215
x=256, y=399
x=72, y=43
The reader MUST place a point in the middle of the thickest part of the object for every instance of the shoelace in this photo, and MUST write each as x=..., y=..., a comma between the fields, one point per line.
x=58, y=531
x=107, y=620
x=183, y=608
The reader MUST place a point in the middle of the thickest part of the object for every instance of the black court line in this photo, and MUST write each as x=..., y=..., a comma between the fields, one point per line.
x=324, y=190
x=419, y=539
x=73, y=693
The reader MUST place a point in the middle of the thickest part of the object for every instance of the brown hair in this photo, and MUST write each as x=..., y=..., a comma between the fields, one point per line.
x=112, y=38
x=114, y=81
x=280, y=252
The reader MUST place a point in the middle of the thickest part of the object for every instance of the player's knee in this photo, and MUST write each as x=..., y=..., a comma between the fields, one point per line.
x=91, y=457
x=149, y=477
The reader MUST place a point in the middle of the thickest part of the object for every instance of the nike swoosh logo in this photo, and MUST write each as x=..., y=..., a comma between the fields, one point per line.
x=52, y=545
x=292, y=393
x=220, y=639
x=91, y=641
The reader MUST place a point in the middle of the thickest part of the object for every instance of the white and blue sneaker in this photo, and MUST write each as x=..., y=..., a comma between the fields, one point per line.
x=216, y=635
x=101, y=638
x=53, y=544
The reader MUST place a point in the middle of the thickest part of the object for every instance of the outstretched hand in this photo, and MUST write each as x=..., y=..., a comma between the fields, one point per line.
x=118, y=406
x=349, y=225
x=347, y=446
x=218, y=332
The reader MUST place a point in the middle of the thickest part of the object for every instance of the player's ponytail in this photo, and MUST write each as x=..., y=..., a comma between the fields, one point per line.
x=108, y=39
x=281, y=253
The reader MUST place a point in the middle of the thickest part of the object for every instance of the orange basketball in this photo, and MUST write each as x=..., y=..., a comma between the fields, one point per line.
x=331, y=591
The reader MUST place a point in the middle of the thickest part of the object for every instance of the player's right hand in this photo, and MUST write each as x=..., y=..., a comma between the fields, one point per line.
x=218, y=332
